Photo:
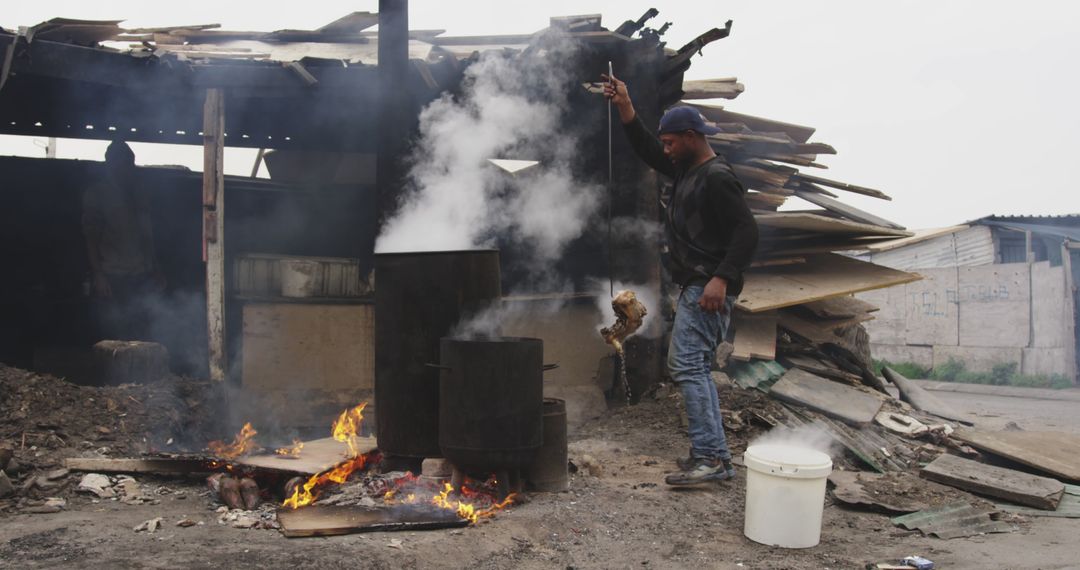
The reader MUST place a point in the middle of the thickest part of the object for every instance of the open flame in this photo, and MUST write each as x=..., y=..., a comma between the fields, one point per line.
x=468, y=510
x=306, y=494
x=242, y=444
x=403, y=490
x=442, y=499
x=346, y=428
x=293, y=451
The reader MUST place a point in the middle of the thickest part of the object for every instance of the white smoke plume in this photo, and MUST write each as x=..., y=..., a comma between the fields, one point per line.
x=810, y=436
x=511, y=107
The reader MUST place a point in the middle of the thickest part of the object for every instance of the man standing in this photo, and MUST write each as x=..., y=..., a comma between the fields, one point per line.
x=120, y=247
x=711, y=237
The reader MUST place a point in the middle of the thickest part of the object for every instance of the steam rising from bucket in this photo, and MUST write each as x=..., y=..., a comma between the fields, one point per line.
x=810, y=436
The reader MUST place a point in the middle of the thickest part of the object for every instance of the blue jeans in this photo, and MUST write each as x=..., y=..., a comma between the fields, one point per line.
x=694, y=339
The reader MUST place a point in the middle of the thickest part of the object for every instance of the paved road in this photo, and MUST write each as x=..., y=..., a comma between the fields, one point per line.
x=993, y=411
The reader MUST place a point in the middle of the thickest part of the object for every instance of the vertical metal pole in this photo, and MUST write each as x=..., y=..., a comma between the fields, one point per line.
x=214, y=229
x=394, y=102
x=611, y=188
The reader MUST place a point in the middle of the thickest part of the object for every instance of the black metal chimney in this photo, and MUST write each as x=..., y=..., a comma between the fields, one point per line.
x=394, y=119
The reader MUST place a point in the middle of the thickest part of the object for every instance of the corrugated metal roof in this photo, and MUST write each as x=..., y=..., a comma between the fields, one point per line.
x=1063, y=230
x=954, y=520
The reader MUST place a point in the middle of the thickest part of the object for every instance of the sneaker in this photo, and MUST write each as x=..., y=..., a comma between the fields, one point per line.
x=689, y=462
x=702, y=471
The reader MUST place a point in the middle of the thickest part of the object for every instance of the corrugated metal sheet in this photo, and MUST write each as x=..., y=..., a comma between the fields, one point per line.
x=974, y=246
x=954, y=520
x=934, y=252
x=966, y=247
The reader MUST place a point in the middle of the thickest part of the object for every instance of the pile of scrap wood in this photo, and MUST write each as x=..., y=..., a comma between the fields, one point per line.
x=913, y=457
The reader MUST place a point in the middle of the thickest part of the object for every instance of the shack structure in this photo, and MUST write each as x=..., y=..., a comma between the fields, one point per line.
x=996, y=290
x=331, y=111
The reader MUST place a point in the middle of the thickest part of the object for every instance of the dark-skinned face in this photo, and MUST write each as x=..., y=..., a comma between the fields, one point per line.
x=680, y=148
x=121, y=169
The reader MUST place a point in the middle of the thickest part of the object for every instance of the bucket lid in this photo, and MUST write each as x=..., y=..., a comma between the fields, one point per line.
x=786, y=460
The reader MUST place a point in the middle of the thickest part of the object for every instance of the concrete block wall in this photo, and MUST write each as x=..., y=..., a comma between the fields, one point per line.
x=982, y=316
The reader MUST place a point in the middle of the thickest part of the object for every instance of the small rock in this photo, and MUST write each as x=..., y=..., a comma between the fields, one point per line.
x=245, y=521
x=103, y=430
x=6, y=453
x=395, y=543
x=97, y=484
x=57, y=474
x=222, y=510
x=368, y=502
x=55, y=502
x=432, y=467
x=131, y=490
x=184, y=523
x=6, y=488
x=149, y=526
x=591, y=466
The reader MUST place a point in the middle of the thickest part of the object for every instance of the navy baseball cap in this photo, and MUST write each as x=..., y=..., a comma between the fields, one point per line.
x=679, y=119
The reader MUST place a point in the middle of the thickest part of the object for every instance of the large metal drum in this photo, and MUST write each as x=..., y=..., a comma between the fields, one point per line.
x=491, y=395
x=548, y=470
x=419, y=298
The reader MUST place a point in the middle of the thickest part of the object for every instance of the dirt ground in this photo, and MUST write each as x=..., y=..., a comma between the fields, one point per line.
x=617, y=514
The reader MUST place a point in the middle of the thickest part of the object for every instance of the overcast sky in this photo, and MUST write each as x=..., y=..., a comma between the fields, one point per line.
x=956, y=109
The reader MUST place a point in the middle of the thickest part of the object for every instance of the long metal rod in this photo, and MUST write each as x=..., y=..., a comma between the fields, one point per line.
x=611, y=188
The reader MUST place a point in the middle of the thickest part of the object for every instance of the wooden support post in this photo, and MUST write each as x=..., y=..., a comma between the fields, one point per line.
x=214, y=228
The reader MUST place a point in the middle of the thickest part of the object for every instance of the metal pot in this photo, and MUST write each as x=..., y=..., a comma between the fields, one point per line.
x=491, y=402
x=419, y=298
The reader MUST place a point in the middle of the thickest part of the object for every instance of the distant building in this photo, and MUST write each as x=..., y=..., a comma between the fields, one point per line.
x=997, y=289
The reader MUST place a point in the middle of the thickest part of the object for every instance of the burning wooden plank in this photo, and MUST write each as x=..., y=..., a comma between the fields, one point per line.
x=328, y=520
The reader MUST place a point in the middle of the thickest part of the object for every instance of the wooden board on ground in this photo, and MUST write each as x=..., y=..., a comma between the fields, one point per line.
x=333, y=520
x=755, y=336
x=1021, y=488
x=919, y=398
x=1068, y=508
x=833, y=399
x=163, y=465
x=1051, y=452
x=315, y=457
x=826, y=225
x=840, y=307
x=823, y=276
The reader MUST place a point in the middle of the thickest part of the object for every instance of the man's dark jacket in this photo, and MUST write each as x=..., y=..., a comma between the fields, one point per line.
x=710, y=229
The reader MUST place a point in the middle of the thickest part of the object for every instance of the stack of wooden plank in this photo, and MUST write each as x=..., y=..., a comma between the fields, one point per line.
x=767, y=155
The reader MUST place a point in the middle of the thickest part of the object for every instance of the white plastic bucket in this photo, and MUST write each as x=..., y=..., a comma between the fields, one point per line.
x=785, y=494
x=300, y=277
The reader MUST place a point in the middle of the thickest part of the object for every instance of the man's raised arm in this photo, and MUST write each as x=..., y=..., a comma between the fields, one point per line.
x=645, y=144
